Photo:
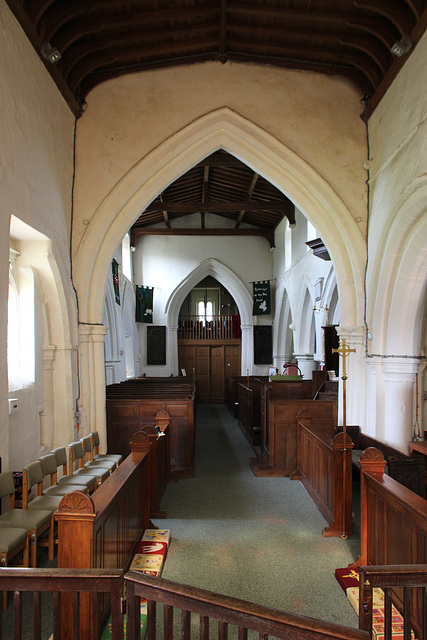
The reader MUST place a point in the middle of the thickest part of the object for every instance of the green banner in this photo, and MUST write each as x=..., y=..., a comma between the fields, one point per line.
x=262, y=298
x=144, y=304
x=115, y=270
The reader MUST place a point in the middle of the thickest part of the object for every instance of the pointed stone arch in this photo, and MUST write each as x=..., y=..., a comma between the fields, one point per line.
x=226, y=277
x=220, y=129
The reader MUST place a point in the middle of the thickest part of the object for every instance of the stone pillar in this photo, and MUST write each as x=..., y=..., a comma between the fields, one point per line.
x=84, y=376
x=99, y=423
x=172, y=351
x=399, y=392
x=247, y=349
x=355, y=377
x=307, y=364
x=47, y=425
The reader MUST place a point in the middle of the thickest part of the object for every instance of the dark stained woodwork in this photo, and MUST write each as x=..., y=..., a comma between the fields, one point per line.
x=249, y=618
x=393, y=526
x=249, y=410
x=133, y=404
x=160, y=472
x=232, y=390
x=281, y=402
x=103, y=40
x=324, y=468
x=107, y=526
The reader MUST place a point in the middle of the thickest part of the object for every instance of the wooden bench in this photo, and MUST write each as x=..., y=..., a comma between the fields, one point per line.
x=280, y=405
x=408, y=470
x=324, y=468
x=249, y=410
x=134, y=404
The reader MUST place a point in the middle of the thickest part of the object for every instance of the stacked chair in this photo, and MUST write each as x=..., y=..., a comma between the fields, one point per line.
x=35, y=521
x=50, y=468
x=115, y=457
x=76, y=455
x=90, y=463
x=22, y=530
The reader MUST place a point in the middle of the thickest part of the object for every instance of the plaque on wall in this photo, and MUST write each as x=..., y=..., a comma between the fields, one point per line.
x=156, y=345
x=263, y=344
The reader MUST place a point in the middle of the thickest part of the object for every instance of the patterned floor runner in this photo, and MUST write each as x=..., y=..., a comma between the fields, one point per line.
x=149, y=559
x=349, y=581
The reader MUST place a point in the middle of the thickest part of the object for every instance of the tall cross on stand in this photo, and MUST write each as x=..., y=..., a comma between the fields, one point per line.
x=344, y=351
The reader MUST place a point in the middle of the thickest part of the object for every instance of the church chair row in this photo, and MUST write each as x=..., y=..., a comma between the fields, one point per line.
x=21, y=529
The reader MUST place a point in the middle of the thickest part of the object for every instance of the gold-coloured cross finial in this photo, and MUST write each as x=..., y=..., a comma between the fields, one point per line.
x=344, y=350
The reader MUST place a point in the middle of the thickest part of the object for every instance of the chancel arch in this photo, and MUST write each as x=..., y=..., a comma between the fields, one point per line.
x=140, y=184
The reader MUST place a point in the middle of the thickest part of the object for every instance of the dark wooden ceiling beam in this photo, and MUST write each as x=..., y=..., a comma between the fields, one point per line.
x=212, y=207
x=139, y=232
x=223, y=27
x=386, y=33
x=249, y=196
x=415, y=35
x=396, y=12
x=126, y=61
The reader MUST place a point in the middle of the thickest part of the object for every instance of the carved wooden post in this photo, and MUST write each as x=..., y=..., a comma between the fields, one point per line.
x=75, y=517
x=372, y=462
x=342, y=522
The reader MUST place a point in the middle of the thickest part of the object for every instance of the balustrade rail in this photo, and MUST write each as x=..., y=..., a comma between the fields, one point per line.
x=404, y=586
x=210, y=328
x=217, y=615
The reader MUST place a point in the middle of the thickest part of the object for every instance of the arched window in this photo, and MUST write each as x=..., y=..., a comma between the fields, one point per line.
x=20, y=325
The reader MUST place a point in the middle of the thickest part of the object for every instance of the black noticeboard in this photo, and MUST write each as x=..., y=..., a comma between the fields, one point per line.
x=156, y=344
x=263, y=344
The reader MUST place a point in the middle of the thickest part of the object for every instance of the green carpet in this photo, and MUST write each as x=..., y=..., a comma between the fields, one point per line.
x=259, y=539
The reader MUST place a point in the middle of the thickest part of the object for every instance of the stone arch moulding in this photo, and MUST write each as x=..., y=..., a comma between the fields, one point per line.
x=224, y=275
x=220, y=129
x=399, y=280
x=281, y=330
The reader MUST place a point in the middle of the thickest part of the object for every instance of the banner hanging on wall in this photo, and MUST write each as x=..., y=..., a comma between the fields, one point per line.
x=115, y=270
x=144, y=304
x=262, y=298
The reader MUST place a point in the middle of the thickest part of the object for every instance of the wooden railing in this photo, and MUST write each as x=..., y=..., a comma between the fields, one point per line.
x=214, y=328
x=180, y=602
x=404, y=586
x=77, y=583
x=324, y=468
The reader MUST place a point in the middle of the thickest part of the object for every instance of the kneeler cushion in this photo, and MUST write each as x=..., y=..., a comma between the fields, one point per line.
x=158, y=535
x=148, y=547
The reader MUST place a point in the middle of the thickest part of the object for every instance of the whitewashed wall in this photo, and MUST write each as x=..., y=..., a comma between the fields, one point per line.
x=36, y=169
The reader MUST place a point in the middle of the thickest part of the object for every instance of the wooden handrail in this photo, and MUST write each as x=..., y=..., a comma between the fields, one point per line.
x=411, y=602
x=224, y=609
x=58, y=581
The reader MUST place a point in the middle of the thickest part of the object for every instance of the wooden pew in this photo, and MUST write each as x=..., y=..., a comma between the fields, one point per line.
x=160, y=472
x=393, y=525
x=232, y=391
x=134, y=404
x=249, y=410
x=324, y=468
x=280, y=405
x=102, y=531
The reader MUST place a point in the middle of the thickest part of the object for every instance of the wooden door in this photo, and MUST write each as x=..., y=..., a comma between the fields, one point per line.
x=211, y=364
x=217, y=377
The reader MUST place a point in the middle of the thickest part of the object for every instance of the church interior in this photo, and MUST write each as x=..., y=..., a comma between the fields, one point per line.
x=162, y=167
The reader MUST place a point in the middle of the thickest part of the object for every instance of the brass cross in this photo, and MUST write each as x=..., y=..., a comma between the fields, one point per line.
x=344, y=351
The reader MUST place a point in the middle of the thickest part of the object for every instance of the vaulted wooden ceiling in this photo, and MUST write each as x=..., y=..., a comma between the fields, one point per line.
x=102, y=39
x=221, y=186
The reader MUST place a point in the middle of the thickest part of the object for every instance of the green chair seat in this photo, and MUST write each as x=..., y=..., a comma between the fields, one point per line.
x=64, y=489
x=45, y=502
x=26, y=518
x=11, y=537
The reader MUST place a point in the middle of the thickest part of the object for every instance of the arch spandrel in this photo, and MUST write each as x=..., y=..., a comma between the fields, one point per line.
x=220, y=129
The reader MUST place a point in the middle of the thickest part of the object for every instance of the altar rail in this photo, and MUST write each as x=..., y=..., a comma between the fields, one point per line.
x=324, y=468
